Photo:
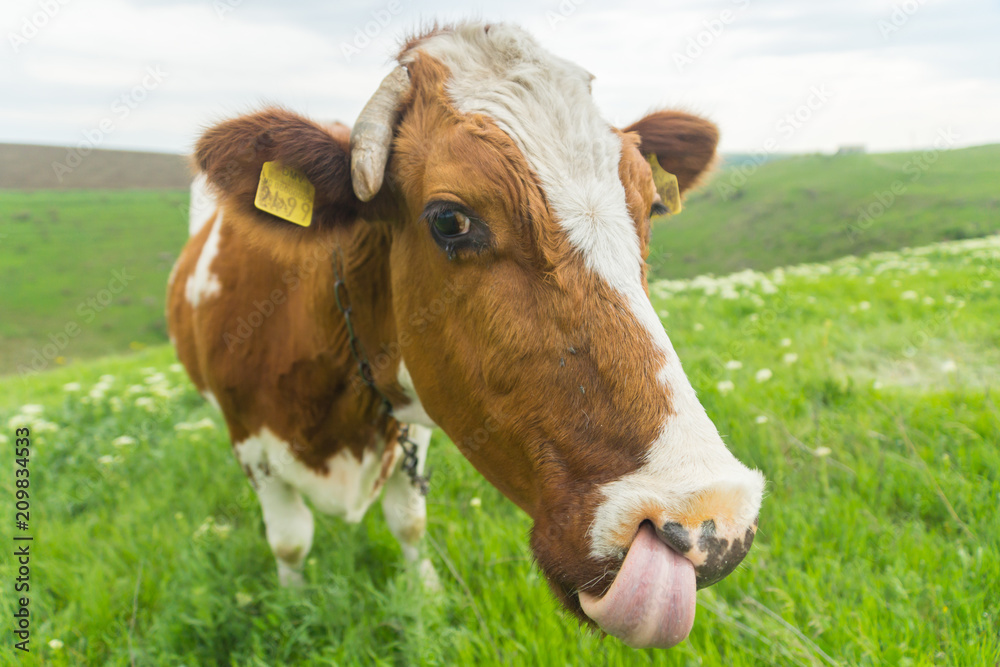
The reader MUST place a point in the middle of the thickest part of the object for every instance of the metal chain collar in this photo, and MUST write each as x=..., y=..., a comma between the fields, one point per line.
x=410, y=459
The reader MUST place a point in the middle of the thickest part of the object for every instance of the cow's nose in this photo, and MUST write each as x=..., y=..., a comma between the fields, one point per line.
x=714, y=553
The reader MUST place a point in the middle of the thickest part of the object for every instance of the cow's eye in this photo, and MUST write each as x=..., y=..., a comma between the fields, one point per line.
x=658, y=209
x=451, y=224
x=455, y=227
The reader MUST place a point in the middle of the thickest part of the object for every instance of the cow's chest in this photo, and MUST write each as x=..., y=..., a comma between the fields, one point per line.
x=346, y=489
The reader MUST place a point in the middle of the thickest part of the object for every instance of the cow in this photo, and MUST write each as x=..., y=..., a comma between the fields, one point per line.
x=473, y=259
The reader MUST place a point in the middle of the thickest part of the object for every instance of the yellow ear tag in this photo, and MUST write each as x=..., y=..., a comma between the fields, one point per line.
x=285, y=192
x=666, y=185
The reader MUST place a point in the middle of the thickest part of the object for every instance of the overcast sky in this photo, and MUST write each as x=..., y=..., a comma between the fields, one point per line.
x=149, y=74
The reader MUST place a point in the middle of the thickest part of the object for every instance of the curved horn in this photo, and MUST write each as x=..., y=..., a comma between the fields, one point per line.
x=371, y=136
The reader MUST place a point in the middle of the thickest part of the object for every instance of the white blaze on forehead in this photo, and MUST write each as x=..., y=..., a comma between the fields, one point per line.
x=544, y=104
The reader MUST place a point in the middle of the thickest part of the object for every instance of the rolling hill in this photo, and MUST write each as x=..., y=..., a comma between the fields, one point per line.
x=26, y=167
x=812, y=208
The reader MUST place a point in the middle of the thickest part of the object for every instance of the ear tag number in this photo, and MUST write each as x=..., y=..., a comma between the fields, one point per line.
x=666, y=185
x=285, y=192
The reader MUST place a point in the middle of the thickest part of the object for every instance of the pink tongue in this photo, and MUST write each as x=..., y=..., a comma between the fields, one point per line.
x=652, y=600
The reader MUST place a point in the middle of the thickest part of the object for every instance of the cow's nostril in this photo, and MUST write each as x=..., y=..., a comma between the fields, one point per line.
x=676, y=536
x=714, y=552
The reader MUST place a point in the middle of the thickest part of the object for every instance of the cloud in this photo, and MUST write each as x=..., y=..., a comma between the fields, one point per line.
x=754, y=64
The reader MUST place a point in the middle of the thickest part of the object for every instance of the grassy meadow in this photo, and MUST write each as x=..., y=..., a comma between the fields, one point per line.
x=812, y=208
x=860, y=387
x=59, y=251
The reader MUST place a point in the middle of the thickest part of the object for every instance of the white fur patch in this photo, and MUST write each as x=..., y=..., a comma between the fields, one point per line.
x=347, y=490
x=404, y=507
x=413, y=413
x=543, y=103
x=203, y=204
x=212, y=400
x=202, y=283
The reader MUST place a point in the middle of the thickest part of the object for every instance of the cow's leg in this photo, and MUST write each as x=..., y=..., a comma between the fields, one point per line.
x=288, y=523
x=405, y=508
x=289, y=527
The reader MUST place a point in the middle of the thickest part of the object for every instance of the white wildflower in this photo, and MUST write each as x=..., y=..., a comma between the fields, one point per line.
x=17, y=421
x=476, y=502
x=155, y=378
x=761, y=419
x=725, y=386
x=43, y=426
x=987, y=284
x=123, y=441
x=763, y=375
x=202, y=424
x=734, y=365
x=55, y=644
x=698, y=326
x=145, y=402
x=928, y=301
x=176, y=368
x=864, y=305
x=876, y=385
x=97, y=393
x=786, y=342
x=4, y=439
x=822, y=451
x=106, y=460
x=790, y=358
x=949, y=366
x=70, y=387
x=908, y=295
x=31, y=410
x=106, y=379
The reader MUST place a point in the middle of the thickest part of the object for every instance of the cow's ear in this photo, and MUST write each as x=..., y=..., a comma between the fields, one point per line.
x=232, y=154
x=684, y=145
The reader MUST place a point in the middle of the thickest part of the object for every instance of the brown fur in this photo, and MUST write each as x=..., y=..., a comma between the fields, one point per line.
x=530, y=363
x=684, y=144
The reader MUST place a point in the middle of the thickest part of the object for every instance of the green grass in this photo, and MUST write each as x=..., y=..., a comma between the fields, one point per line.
x=878, y=542
x=806, y=209
x=58, y=254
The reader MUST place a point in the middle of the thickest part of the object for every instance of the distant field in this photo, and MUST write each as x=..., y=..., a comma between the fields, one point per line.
x=861, y=388
x=59, y=251
x=807, y=209
x=58, y=248
x=51, y=167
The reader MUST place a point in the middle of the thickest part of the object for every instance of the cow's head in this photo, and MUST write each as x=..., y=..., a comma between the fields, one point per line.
x=486, y=160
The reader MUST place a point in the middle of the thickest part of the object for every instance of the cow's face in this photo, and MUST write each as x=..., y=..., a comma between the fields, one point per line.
x=546, y=363
x=519, y=224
